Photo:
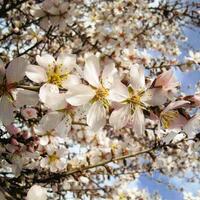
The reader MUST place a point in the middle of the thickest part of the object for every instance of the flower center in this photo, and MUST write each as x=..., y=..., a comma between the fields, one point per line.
x=101, y=94
x=55, y=75
x=168, y=117
x=53, y=158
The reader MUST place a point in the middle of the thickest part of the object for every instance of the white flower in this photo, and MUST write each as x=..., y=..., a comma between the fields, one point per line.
x=55, y=159
x=133, y=100
x=57, y=72
x=37, y=192
x=96, y=93
x=8, y=78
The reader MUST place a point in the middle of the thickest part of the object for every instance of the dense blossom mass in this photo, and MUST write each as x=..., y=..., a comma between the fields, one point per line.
x=89, y=98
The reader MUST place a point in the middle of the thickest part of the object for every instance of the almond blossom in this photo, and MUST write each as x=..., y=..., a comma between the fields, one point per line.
x=37, y=192
x=96, y=93
x=133, y=100
x=55, y=158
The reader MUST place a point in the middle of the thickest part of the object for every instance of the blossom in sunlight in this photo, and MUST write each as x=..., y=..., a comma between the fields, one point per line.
x=37, y=192
x=57, y=72
x=9, y=77
x=96, y=93
x=55, y=158
x=133, y=99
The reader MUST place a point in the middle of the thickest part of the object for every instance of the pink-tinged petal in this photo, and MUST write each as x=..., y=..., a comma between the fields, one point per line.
x=92, y=70
x=163, y=78
x=64, y=127
x=119, y=118
x=26, y=97
x=109, y=74
x=138, y=121
x=96, y=116
x=155, y=97
x=80, y=95
x=68, y=62
x=137, y=76
x=71, y=81
x=192, y=127
x=178, y=122
x=36, y=74
x=166, y=80
x=50, y=121
x=50, y=96
x=15, y=71
x=118, y=92
x=6, y=111
x=45, y=60
x=175, y=105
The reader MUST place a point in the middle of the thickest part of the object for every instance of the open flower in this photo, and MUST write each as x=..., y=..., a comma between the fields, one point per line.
x=96, y=93
x=57, y=72
x=55, y=159
x=133, y=101
x=9, y=78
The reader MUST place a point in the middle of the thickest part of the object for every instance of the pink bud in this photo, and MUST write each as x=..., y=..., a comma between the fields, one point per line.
x=29, y=113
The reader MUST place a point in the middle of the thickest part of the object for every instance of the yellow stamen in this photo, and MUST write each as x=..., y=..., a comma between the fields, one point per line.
x=55, y=75
x=53, y=158
x=168, y=117
x=101, y=94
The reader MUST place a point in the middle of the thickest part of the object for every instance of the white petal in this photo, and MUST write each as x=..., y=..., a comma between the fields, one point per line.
x=118, y=92
x=80, y=95
x=45, y=60
x=154, y=97
x=92, y=70
x=68, y=61
x=26, y=97
x=50, y=96
x=175, y=105
x=137, y=76
x=96, y=117
x=44, y=140
x=50, y=121
x=71, y=81
x=170, y=136
x=119, y=118
x=36, y=74
x=64, y=127
x=16, y=70
x=138, y=121
x=37, y=192
x=6, y=111
x=108, y=75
